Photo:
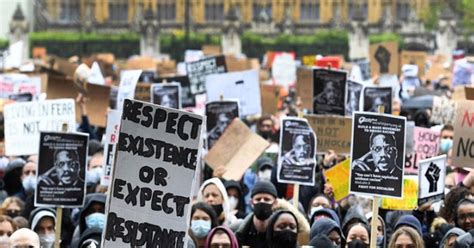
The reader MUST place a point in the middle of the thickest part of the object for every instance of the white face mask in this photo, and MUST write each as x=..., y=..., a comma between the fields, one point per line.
x=233, y=202
x=265, y=175
x=29, y=183
x=94, y=175
x=47, y=240
x=4, y=241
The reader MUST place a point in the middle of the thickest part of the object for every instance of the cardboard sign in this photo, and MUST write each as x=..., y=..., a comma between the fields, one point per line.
x=297, y=153
x=374, y=97
x=167, y=95
x=463, y=143
x=61, y=169
x=152, y=184
x=384, y=58
x=24, y=121
x=414, y=58
x=329, y=90
x=425, y=145
x=463, y=93
x=198, y=70
x=338, y=177
x=111, y=139
x=284, y=69
x=14, y=84
x=410, y=196
x=128, y=82
x=332, y=132
x=219, y=115
x=211, y=50
x=443, y=110
x=431, y=179
x=237, y=149
x=187, y=99
x=353, y=96
x=304, y=86
x=377, y=154
x=270, y=98
x=243, y=86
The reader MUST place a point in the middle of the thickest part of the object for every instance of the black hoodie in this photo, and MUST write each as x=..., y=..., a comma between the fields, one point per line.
x=90, y=198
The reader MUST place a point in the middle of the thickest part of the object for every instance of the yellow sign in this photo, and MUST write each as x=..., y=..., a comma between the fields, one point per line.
x=410, y=196
x=338, y=177
x=309, y=60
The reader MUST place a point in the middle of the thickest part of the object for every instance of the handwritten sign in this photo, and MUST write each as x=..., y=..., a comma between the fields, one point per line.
x=463, y=144
x=338, y=177
x=410, y=196
x=332, y=132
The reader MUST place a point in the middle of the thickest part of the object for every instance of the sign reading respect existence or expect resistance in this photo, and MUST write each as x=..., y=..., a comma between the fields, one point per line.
x=150, y=196
x=24, y=121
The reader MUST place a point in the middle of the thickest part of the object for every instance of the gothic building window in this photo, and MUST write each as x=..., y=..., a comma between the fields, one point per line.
x=214, y=10
x=309, y=10
x=167, y=10
x=403, y=10
x=70, y=11
x=354, y=7
x=260, y=8
x=118, y=10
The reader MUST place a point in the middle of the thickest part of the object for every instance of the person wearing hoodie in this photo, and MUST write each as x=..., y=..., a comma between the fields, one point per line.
x=221, y=236
x=329, y=228
x=236, y=198
x=411, y=221
x=464, y=214
x=282, y=230
x=92, y=215
x=203, y=219
x=90, y=238
x=358, y=235
x=354, y=215
x=450, y=237
x=406, y=237
x=324, y=213
x=43, y=222
x=381, y=231
x=213, y=192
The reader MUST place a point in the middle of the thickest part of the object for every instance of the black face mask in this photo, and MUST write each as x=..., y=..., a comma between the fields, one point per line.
x=218, y=209
x=285, y=238
x=357, y=244
x=12, y=214
x=266, y=134
x=262, y=210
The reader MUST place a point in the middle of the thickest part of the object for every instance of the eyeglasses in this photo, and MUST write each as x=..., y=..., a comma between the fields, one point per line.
x=466, y=216
x=387, y=149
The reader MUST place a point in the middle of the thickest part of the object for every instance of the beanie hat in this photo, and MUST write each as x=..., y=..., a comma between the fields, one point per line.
x=411, y=221
x=264, y=162
x=264, y=187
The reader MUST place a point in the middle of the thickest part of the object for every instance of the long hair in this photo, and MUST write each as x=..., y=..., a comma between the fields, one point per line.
x=410, y=232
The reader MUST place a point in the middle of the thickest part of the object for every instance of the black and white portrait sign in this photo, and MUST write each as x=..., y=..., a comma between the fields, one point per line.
x=374, y=97
x=187, y=99
x=198, y=70
x=377, y=154
x=354, y=91
x=219, y=115
x=329, y=89
x=297, y=154
x=166, y=95
x=431, y=179
x=61, y=169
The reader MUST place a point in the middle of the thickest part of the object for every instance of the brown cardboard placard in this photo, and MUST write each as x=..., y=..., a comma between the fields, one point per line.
x=98, y=98
x=142, y=92
x=166, y=67
x=304, y=86
x=270, y=97
x=463, y=93
x=332, y=132
x=63, y=66
x=463, y=152
x=141, y=63
x=384, y=58
x=236, y=150
x=236, y=64
x=211, y=50
x=414, y=57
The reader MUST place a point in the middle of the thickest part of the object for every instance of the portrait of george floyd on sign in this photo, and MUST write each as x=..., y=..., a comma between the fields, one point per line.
x=157, y=155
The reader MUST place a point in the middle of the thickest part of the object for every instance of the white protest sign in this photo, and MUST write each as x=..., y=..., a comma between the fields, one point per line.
x=284, y=69
x=158, y=152
x=111, y=138
x=14, y=83
x=14, y=55
x=128, y=82
x=242, y=85
x=431, y=179
x=96, y=76
x=25, y=120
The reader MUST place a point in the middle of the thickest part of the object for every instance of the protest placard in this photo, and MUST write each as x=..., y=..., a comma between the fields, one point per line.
x=211, y=50
x=410, y=196
x=390, y=80
x=463, y=93
x=166, y=95
x=128, y=82
x=219, y=115
x=414, y=58
x=308, y=60
x=198, y=70
x=377, y=154
x=243, y=85
x=304, y=86
x=374, y=97
x=425, y=145
x=338, y=177
x=24, y=121
x=332, y=132
x=353, y=96
x=158, y=152
x=364, y=66
x=410, y=134
x=284, y=69
x=297, y=153
x=384, y=58
x=187, y=99
x=96, y=76
x=270, y=98
x=329, y=90
x=237, y=149
x=463, y=143
x=111, y=138
x=14, y=84
x=61, y=169
x=431, y=179
x=443, y=110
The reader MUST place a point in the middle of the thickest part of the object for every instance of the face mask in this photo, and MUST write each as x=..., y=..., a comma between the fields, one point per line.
x=313, y=210
x=94, y=175
x=265, y=175
x=285, y=238
x=95, y=220
x=218, y=209
x=357, y=244
x=233, y=202
x=379, y=241
x=47, y=240
x=200, y=228
x=262, y=210
x=445, y=145
x=12, y=213
x=4, y=241
x=29, y=183
x=266, y=134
